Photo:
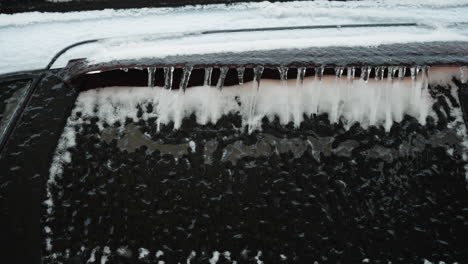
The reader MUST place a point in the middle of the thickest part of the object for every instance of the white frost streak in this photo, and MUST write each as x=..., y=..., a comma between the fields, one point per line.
x=159, y=254
x=105, y=255
x=193, y=146
x=143, y=253
x=62, y=156
x=352, y=102
x=215, y=258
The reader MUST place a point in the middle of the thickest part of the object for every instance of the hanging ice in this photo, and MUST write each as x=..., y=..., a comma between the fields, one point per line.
x=151, y=72
x=393, y=72
x=351, y=73
x=397, y=89
x=414, y=72
x=424, y=93
x=379, y=73
x=185, y=78
x=301, y=74
x=365, y=73
x=380, y=101
x=258, y=71
x=387, y=98
x=179, y=98
x=168, y=76
x=401, y=72
x=208, y=104
x=415, y=89
x=222, y=77
x=240, y=75
x=283, y=71
x=339, y=72
x=207, y=79
x=318, y=89
x=376, y=95
x=319, y=72
x=297, y=102
x=336, y=99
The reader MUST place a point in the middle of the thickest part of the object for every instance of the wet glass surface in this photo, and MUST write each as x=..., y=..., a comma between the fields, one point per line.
x=11, y=95
x=316, y=193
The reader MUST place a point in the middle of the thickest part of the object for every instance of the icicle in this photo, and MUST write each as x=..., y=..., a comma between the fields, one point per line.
x=319, y=72
x=414, y=72
x=339, y=72
x=185, y=78
x=397, y=89
x=351, y=72
x=222, y=76
x=377, y=93
x=301, y=74
x=179, y=109
x=365, y=72
x=336, y=98
x=297, y=115
x=415, y=90
x=360, y=109
x=168, y=76
x=207, y=99
x=401, y=72
x=388, y=102
x=464, y=74
x=394, y=71
x=379, y=73
x=425, y=85
x=240, y=75
x=283, y=71
x=258, y=71
x=425, y=76
x=151, y=72
x=208, y=73
x=318, y=81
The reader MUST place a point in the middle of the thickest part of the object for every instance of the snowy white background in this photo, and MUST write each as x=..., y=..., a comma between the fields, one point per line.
x=29, y=40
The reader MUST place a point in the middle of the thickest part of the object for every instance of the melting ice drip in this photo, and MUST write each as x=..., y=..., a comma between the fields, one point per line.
x=370, y=101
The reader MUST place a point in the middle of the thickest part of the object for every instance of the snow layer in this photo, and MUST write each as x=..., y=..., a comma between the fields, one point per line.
x=238, y=42
x=29, y=40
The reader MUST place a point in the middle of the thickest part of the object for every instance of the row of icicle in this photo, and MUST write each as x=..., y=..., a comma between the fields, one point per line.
x=393, y=72
x=390, y=73
x=283, y=70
